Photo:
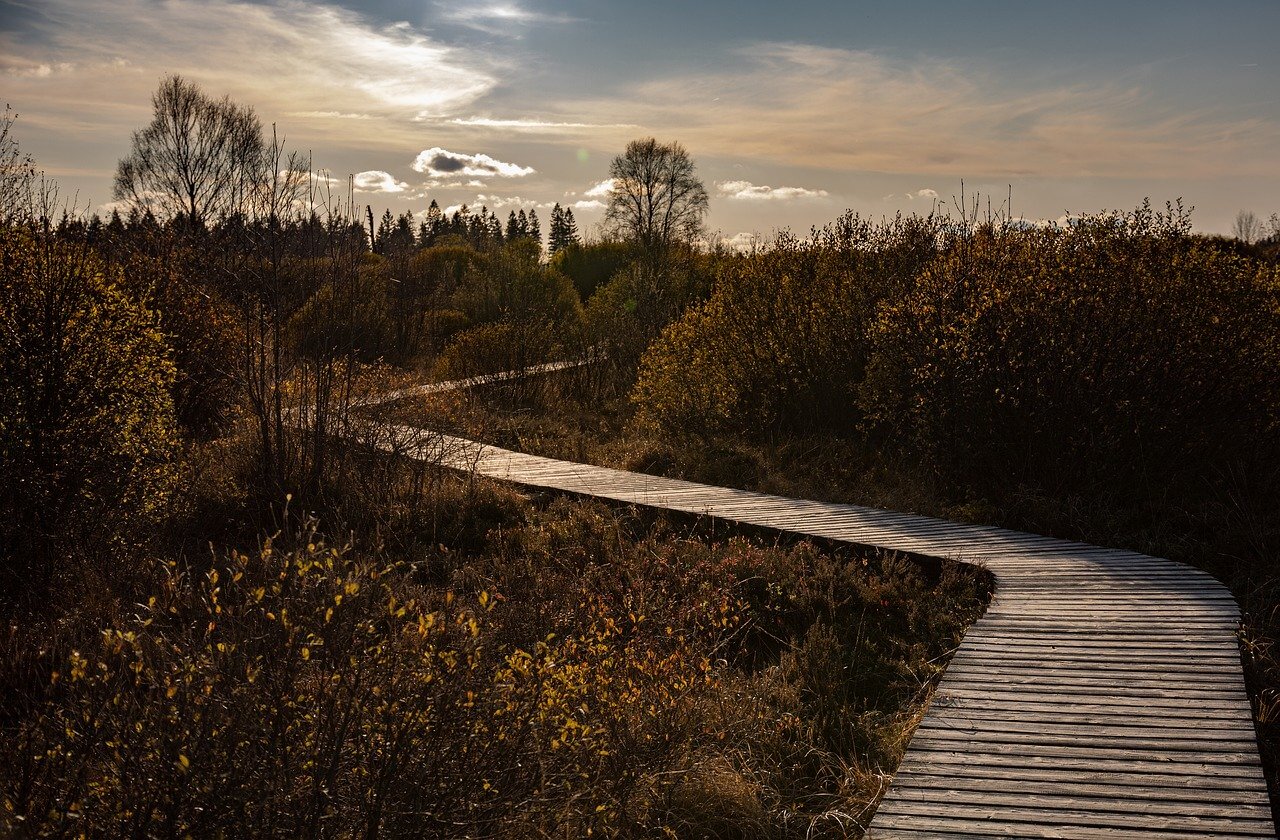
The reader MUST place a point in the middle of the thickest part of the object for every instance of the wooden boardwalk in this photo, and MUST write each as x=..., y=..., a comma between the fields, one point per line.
x=1101, y=695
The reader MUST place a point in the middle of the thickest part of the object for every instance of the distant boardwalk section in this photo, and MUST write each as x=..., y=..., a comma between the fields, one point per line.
x=1101, y=696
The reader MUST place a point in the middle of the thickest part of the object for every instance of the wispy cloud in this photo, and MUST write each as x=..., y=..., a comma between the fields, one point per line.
x=442, y=163
x=850, y=110
x=496, y=18
x=747, y=191
x=329, y=115
x=318, y=60
x=540, y=126
x=590, y=204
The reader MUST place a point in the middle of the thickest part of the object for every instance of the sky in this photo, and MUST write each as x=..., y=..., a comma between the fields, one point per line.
x=793, y=112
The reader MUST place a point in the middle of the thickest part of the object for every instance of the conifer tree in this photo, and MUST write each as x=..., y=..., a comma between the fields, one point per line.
x=570, y=229
x=385, y=227
x=432, y=227
x=555, y=240
x=535, y=229
x=513, y=226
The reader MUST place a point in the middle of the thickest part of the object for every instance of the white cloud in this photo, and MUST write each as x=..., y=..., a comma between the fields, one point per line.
x=20, y=69
x=442, y=163
x=747, y=191
x=601, y=189
x=377, y=181
x=588, y=205
x=500, y=202
x=926, y=193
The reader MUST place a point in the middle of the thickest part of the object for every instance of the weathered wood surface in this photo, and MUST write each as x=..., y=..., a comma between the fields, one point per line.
x=1101, y=695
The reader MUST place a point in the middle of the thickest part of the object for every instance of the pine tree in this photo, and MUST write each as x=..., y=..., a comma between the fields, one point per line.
x=386, y=226
x=570, y=229
x=432, y=227
x=522, y=224
x=555, y=241
x=401, y=239
x=513, y=226
x=535, y=229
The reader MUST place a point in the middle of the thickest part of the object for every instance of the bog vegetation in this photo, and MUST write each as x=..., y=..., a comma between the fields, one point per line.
x=227, y=612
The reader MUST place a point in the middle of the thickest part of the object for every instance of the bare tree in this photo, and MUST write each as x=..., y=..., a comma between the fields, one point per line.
x=656, y=200
x=1247, y=227
x=199, y=156
x=17, y=175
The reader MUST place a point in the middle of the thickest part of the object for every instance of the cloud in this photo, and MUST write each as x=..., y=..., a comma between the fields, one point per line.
x=442, y=163
x=851, y=110
x=588, y=205
x=329, y=115
x=601, y=189
x=747, y=191
x=377, y=181
x=314, y=59
x=497, y=18
x=20, y=69
x=499, y=202
x=745, y=242
x=932, y=195
x=536, y=125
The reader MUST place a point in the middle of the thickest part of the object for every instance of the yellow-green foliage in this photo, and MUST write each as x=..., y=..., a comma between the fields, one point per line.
x=513, y=286
x=573, y=680
x=783, y=339
x=1120, y=350
x=495, y=348
x=86, y=415
x=591, y=265
x=348, y=314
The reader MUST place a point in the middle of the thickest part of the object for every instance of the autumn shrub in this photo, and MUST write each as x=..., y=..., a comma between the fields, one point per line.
x=782, y=343
x=87, y=439
x=512, y=285
x=1117, y=355
x=501, y=347
x=581, y=673
x=202, y=328
x=590, y=265
x=347, y=315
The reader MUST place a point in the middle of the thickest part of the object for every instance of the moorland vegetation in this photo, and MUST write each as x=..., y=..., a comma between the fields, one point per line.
x=227, y=611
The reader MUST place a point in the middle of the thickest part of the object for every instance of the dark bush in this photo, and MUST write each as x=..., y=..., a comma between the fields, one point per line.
x=1118, y=354
x=87, y=439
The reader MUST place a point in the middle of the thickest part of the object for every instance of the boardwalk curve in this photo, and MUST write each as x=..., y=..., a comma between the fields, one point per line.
x=1100, y=696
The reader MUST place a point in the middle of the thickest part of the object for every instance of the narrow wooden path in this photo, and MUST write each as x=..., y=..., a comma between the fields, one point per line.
x=1101, y=695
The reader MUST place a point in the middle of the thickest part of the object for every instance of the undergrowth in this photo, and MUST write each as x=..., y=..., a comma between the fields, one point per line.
x=466, y=662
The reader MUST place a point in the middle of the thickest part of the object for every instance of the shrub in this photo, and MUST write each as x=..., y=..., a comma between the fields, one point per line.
x=782, y=341
x=591, y=265
x=513, y=286
x=86, y=415
x=1120, y=353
